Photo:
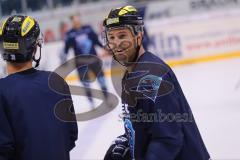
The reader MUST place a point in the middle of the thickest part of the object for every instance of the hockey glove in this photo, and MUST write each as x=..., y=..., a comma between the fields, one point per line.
x=119, y=150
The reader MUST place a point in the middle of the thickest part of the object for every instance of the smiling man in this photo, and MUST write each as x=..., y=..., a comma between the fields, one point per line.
x=157, y=118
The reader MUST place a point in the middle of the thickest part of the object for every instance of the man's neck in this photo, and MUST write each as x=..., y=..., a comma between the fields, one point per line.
x=141, y=52
x=18, y=67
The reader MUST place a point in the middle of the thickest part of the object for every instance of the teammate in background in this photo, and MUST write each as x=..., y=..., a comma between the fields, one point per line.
x=150, y=91
x=63, y=28
x=30, y=128
x=83, y=40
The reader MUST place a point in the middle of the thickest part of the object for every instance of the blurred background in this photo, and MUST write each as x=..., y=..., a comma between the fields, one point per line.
x=199, y=39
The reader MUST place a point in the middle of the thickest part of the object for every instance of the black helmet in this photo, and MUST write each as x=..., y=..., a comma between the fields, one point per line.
x=124, y=16
x=19, y=37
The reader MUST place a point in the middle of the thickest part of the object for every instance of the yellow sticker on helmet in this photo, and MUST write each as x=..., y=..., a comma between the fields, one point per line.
x=16, y=19
x=27, y=25
x=127, y=9
x=112, y=21
x=2, y=26
x=7, y=45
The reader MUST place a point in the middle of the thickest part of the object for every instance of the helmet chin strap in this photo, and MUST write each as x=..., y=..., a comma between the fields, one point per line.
x=136, y=54
x=37, y=61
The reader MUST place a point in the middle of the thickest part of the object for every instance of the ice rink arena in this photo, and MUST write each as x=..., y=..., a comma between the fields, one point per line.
x=199, y=39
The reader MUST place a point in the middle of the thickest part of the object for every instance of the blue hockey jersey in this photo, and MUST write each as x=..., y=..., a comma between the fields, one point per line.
x=29, y=126
x=162, y=125
x=82, y=40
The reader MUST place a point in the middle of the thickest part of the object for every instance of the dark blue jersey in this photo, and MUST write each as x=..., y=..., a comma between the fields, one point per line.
x=163, y=127
x=82, y=40
x=29, y=127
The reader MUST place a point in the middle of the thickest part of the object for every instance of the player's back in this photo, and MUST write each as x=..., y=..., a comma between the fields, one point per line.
x=29, y=103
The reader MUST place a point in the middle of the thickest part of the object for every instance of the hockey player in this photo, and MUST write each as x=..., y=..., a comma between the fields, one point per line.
x=83, y=40
x=157, y=118
x=31, y=105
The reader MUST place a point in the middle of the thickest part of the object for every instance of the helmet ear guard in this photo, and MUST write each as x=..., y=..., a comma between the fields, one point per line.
x=137, y=29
